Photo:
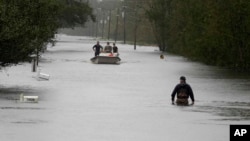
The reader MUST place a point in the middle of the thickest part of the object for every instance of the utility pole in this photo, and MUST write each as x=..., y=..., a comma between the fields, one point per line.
x=136, y=24
x=103, y=24
x=124, y=24
x=109, y=18
x=97, y=22
x=116, y=27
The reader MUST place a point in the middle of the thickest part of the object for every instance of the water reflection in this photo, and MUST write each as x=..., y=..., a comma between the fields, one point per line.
x=12, y=93
x=227, y=110
x=29, y=122
x=21, y=108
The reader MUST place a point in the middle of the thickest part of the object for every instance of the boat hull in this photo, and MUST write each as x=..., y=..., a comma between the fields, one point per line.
x=106, y=60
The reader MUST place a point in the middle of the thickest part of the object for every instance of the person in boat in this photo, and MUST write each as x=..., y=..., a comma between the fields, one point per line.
x=115, y=48
x=183, y=91
x=97, y=48
x=108, y=48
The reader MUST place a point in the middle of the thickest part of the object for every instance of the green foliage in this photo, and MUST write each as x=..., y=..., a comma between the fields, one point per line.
x=158, y=14
x=24, y=26
x=27, y=25
x=75, y=13
x=211, y=31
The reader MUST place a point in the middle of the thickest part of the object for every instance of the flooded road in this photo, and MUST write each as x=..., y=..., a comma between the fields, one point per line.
x=126, y=102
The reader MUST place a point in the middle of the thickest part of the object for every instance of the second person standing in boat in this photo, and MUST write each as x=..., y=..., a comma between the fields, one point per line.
x=108, y=48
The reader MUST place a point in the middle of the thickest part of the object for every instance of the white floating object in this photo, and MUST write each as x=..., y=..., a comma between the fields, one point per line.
x=43, y=76
x=28, y=99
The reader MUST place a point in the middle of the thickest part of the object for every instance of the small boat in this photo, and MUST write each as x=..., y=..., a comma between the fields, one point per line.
x=106, y=58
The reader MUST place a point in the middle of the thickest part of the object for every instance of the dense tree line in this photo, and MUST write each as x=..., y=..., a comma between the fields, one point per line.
x=75, y=13
x=211, y=31
x=27, y=25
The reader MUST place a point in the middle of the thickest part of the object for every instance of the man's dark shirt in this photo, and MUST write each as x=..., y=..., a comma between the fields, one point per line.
x=97, y=48
x=186, y=86
x=115, y=49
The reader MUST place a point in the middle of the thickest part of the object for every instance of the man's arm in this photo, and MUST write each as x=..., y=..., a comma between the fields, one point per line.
x=191, y=94
x=173, y=94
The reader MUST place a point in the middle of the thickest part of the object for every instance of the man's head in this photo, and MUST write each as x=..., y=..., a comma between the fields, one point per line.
x=98, y=42
x=183, y=79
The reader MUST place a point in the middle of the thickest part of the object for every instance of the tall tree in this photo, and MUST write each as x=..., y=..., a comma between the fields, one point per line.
x=26, y=25
x=75, y=13
x=159, y=13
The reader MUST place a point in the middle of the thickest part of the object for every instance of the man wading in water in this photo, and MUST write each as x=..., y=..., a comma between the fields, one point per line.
x=183, y=91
